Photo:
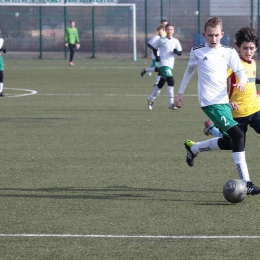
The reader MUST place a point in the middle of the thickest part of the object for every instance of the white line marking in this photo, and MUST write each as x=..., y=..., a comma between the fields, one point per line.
x=31, y=92
x=134, y=236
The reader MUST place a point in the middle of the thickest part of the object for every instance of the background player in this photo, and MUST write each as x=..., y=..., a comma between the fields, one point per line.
x=154, y=67
x=1, y=67
x=167, y=46
x=72, y=40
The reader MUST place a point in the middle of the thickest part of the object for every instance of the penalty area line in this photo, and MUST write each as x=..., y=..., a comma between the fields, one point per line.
x=128, y=236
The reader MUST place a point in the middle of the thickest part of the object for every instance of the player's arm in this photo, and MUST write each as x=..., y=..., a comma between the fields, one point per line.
x=155, y=52
x=257, y=80
x=178, y=49
x=66, y=39
x=150, y=46
x=179, y=53
x=155, y=46
x=236, y=65
x=3, y=50
x=77, y=37
x=186, y=78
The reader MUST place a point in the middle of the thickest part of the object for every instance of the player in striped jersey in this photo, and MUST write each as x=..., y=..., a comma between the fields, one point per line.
x=212, y=60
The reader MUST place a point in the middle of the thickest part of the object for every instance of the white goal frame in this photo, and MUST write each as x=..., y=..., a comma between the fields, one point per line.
x=132, y=6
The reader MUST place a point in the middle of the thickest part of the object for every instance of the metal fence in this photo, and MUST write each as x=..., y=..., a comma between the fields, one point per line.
x=38, y=32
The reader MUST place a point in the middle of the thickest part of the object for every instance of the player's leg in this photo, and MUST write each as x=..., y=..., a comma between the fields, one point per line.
x=149, y=69
x=1, y=76
x=210, y=129
x=238, y=155
x=170, y=92
x=71, y=47
x=243, y=123
x=222, y=116
x=158, y=76
x=156, y=92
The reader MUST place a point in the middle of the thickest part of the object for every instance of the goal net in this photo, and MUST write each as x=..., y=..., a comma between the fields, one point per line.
x=36, y=30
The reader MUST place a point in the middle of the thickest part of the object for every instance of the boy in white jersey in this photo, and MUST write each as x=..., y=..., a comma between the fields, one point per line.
x=153, y=67
x=1, y=67
x=168, y=46
x=245, y=105
x=212, y=60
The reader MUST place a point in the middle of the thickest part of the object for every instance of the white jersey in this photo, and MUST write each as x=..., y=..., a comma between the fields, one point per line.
x=166, y=47
x=212, y=64
x=152, y=41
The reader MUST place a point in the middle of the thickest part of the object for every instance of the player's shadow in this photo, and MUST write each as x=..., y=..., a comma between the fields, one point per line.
x=102, y=193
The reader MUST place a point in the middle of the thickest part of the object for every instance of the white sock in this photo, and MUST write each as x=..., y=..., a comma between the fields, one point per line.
x=205, y=146
x=150, y=69
x=170, y=92
x=1, y=87
x=241, y=165
x=156, y=92
x=157, y=79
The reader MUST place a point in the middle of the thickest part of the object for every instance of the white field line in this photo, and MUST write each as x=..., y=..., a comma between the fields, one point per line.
x=76, y=67
x=107, y=95
x=128, y=236
x=30, y=92
x=34, y=92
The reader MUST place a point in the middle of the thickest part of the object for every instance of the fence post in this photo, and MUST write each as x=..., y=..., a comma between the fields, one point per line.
x=93, y=32
x=40, y=31
x=145, y=24
x=65, y=22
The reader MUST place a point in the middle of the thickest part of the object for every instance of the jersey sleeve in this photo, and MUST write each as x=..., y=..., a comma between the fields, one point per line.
x=152, y=40
x=178, y=45
x=66, y=35
x=77, y=36
x=156, y=44
x=236, y=65
x=188, y=72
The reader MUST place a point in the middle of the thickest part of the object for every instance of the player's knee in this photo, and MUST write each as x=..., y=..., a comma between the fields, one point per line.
x=161, y=83
x=170, y=81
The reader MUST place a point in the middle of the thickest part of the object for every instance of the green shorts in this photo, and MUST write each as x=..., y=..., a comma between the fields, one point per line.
x=166, y=72
x=221, y=115
x=1, y=63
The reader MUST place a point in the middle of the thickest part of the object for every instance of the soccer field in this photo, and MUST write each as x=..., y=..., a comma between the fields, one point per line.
x=88, y=172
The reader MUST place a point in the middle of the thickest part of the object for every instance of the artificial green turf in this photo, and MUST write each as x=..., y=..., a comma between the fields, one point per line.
x=85, y=156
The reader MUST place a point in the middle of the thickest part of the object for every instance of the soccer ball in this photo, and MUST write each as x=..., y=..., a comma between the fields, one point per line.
x=235, y=191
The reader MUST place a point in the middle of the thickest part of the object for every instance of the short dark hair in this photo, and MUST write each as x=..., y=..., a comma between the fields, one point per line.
x=246, y=34
x=164, y=21
x=169, y=24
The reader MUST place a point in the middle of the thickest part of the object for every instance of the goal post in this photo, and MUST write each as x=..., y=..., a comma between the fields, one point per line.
x=33, y=11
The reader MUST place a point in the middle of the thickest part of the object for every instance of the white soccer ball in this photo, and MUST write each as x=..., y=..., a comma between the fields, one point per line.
x=16, y=14
x=235, y=191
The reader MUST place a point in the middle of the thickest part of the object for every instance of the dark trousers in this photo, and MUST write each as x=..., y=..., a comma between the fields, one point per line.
x=71, y=47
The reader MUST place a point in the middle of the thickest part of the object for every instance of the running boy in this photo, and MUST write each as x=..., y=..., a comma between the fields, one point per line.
x=245, y=105
x=168, y=46
x=153, y=67
x=211, y=60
